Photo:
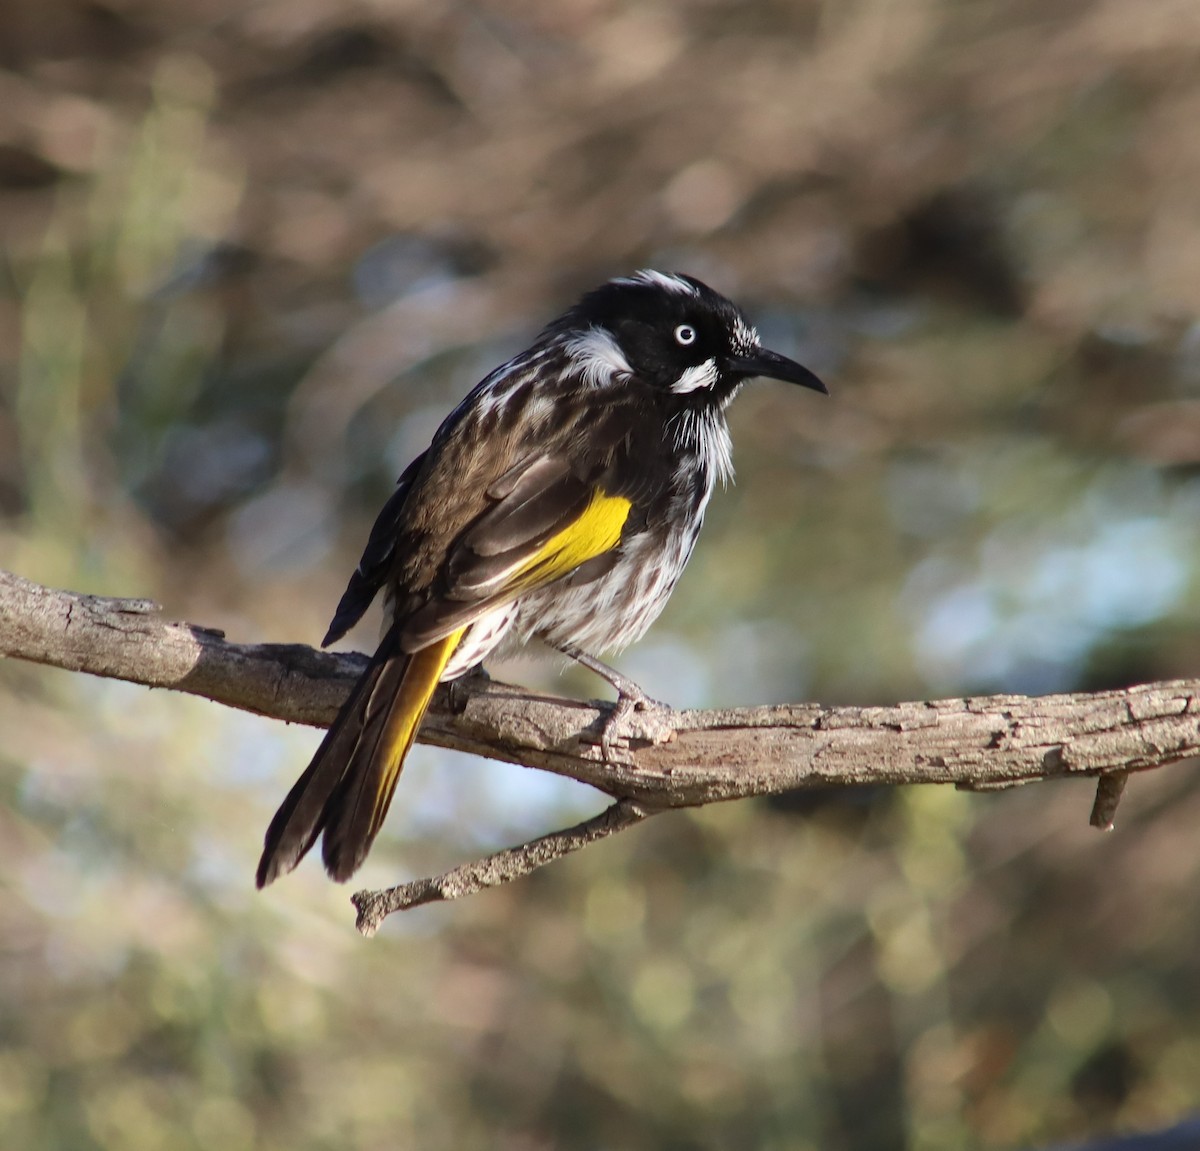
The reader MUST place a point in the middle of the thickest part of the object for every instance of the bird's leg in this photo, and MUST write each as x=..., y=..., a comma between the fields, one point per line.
x=625, y=687
x=618, y=728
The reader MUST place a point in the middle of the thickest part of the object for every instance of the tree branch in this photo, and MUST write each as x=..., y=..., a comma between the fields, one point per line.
x=493, y=870
x=981, y=742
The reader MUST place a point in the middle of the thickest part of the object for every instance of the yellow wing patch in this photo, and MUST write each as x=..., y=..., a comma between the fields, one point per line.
x=596, y=531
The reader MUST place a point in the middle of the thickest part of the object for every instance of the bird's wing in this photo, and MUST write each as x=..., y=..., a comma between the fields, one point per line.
x=510, y=496
x=544, y=520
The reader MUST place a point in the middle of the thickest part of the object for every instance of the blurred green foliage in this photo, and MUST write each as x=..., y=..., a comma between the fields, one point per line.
x=253, y=253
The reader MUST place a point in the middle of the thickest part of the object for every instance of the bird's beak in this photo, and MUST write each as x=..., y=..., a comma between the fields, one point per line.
x=775, y=367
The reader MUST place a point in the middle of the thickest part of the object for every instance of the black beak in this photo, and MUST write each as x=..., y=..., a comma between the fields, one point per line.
x=775, y=367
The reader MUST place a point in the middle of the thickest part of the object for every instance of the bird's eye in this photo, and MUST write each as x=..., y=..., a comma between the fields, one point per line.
x=685, y=334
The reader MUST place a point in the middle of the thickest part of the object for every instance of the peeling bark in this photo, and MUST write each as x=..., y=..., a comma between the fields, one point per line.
x=981, y=742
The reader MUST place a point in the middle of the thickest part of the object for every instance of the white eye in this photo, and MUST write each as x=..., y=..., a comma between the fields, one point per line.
x=685, y=334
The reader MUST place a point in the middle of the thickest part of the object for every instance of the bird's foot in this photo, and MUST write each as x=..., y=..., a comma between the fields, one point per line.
x=635, y=718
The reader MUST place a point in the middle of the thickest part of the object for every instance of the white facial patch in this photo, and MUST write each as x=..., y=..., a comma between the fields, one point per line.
x=597, y=358
x=697, y=376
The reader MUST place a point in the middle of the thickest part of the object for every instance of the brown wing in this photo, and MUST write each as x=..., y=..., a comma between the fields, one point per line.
x=552, y=524
x=513, y=492
x=509, y=501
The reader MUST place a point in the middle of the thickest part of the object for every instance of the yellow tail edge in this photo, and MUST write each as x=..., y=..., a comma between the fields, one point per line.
x=421, y=677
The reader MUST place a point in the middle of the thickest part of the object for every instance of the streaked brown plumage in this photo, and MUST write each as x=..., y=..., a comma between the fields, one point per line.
x=559, y=501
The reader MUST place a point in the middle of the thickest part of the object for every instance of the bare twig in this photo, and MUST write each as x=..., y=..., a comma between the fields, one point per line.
x=983, y=742
x=502, y=867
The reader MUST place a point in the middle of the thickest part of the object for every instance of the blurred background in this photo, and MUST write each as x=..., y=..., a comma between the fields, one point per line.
x=252, y=252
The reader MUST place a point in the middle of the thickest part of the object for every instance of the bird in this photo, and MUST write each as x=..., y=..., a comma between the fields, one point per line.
x=558, y=502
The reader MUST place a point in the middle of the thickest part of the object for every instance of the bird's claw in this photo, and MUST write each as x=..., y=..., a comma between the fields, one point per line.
x=635, y=718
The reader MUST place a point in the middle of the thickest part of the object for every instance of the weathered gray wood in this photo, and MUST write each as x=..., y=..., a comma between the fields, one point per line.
x=689, y=758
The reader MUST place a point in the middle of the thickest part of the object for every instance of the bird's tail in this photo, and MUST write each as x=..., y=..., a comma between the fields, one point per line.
x=347, y=788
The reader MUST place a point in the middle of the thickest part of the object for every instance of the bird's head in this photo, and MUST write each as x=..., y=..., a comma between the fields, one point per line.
x=673, y=333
